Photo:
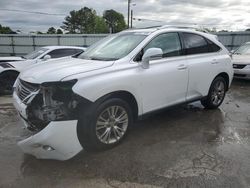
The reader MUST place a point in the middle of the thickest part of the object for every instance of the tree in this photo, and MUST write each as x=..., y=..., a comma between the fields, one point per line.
x=115, y=20
x=80, y=21
x=51, y=30
x=100, y=25
x=247, y=29
x=6, y=30
x=59, y=31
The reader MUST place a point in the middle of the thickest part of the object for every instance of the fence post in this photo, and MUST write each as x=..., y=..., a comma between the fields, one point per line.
x=12, y=44
x=232, y=42
x=33, y=42
x=58, y=40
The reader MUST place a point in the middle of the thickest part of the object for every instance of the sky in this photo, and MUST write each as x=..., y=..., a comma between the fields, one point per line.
x=222, y=14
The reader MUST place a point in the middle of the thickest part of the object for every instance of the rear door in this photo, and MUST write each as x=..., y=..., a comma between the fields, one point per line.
x=203, y=61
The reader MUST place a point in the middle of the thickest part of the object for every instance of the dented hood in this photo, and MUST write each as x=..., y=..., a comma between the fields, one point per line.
x=56, y=70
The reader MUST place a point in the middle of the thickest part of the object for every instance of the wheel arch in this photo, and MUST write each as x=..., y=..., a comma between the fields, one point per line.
x=226, y=77
x=9, y=71
x=124, y=95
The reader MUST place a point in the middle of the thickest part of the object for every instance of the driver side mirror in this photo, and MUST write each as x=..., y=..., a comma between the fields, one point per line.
x=150, y=54
x=46, y=57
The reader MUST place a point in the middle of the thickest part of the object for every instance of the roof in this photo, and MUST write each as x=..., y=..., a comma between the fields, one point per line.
x=62, y=47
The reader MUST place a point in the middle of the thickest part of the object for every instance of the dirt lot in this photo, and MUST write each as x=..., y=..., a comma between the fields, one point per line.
x=183, y=147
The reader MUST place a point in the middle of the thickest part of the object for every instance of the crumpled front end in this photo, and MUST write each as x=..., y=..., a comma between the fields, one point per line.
x=49, y=112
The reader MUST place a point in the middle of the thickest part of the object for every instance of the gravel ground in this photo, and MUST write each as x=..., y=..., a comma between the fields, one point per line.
x=186, y=146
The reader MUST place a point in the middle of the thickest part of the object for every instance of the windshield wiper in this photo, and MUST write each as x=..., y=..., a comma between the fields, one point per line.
x=103, y=59
x=23, y=57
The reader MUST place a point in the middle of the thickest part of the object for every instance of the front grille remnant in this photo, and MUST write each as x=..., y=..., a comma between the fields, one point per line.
x=25, y=90
x=237, y=66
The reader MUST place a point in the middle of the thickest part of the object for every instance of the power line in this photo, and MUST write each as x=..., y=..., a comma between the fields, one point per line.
x=31, y=12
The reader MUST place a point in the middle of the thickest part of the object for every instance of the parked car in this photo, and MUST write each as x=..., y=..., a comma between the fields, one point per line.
x=241, y=61
x=90, y=101
x=11, y=58
x=10, y=70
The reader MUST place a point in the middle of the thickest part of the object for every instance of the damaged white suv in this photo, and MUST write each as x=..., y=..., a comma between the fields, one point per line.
x=89, y=102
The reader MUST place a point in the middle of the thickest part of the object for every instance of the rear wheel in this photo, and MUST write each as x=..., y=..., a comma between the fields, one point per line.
x=216, y=94
x=105, y=126
x=7, y=80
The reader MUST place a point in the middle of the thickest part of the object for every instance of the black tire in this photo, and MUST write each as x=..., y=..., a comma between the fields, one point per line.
x=210, y=102
x=7, y=80
x=86, y=128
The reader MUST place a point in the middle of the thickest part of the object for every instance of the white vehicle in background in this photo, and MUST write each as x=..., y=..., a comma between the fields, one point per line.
x=10, y=58
x=89, y=102
x=241, y=61
x=10, y=70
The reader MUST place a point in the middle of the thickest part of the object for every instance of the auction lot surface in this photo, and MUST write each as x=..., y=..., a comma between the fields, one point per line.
x=187, y=146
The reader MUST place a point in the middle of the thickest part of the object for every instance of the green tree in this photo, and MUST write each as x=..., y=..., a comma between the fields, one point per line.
x=100, y=25
x=59, y=31
x=6, y=30
x=51, y=30
x=115, y=20
x=80, y=21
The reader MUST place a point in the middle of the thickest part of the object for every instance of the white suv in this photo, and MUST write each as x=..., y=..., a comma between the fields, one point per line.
x=90, y=101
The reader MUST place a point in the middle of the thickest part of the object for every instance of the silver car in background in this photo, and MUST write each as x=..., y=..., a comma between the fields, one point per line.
x=241, y=61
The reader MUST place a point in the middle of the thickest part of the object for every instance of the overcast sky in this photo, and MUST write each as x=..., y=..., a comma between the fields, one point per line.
x=223, y=14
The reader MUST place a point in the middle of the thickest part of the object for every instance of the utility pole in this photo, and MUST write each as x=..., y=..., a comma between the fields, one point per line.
x=131, y=25
x=129, y=1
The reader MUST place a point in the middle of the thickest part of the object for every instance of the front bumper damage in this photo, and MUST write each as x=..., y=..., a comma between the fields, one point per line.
x=57, y=140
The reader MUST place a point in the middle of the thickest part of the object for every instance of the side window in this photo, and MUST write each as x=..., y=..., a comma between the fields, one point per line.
x=195, y=44
x=213, y=47
x=168, y=42
x=62, y=53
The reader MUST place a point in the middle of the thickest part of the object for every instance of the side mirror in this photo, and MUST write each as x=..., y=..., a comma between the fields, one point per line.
x=150, y=54
x=46, y=57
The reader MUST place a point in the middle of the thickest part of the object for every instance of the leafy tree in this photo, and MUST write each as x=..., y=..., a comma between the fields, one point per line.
x=115, y=20
x=80, y=21
x=51, y=30
x=39, y=32
x=100, y=25
x=6, y=30
x=59, y=31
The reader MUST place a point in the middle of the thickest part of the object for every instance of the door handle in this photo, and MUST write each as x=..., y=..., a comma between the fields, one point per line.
x=214, y=61
x=181, y=67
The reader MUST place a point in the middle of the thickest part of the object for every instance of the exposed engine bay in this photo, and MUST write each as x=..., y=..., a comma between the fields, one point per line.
x=52, y=102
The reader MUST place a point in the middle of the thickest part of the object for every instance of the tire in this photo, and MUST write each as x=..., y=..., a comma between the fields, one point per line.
x=7, y=80
x=97, y=130
x=216, y=93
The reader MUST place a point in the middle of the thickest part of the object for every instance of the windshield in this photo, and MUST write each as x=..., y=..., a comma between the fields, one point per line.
x=243, y=50
x=35, y=53
x=113, y=47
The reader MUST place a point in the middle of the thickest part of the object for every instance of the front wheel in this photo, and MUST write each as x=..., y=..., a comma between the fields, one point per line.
x=7, y=80
x=105, y=126
x=216, y=94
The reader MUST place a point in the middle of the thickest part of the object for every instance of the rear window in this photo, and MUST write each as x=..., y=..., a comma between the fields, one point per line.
x=195, y=44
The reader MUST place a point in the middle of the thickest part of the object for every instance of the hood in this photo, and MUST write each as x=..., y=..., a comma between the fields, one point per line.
x=56, y=70
x=241, y=59
x=22, y=65
x=11, y=58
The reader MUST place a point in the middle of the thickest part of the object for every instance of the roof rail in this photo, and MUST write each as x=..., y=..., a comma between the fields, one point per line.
x=183, y=27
